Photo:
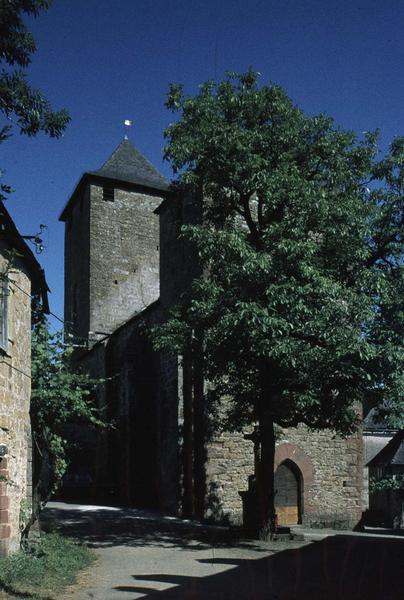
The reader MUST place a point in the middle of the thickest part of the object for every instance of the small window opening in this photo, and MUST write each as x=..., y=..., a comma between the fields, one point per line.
x=108, y=194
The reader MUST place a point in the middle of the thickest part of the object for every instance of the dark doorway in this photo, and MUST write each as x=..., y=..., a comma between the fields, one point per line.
x=288, y=492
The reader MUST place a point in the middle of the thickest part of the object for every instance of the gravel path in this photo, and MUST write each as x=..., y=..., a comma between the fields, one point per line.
x=142, y=554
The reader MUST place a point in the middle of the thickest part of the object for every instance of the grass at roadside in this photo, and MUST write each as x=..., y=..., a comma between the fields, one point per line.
x=44, y=569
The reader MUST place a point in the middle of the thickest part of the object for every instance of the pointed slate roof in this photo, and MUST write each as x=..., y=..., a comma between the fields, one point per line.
x=392, y=454
x=127, y=164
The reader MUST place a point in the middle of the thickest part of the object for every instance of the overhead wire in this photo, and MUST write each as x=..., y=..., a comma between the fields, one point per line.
x=12, y=282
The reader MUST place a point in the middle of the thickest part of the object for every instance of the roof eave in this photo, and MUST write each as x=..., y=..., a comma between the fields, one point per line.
x=35, y=270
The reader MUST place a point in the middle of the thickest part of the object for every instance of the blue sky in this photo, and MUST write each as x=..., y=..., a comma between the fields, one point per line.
x=110, y=61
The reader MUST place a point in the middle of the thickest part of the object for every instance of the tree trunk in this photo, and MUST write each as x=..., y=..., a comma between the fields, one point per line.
x=199, y=437
x=265, y=476
x=40, y=476
x=187, y=450
x=43, y=483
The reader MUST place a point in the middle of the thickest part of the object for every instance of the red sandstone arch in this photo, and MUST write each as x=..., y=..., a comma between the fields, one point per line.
x=290, y=452
x=287, y=451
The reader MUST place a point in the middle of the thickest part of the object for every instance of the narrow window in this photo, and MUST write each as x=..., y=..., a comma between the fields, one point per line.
x=108, y=194
x=3, y=311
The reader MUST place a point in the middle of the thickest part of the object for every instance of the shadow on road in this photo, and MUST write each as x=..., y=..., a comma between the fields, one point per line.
x=108, y=527
x=338, y=567
x=343, y=567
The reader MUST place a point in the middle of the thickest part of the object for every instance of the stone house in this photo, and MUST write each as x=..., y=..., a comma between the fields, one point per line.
x=22, y=280
x=122, y=228
x=376, y=436
x=388, y=505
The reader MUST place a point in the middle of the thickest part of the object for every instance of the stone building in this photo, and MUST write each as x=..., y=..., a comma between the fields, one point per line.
x=125, y=266
x=388, y=504
x=21, y=278
x=383, y=458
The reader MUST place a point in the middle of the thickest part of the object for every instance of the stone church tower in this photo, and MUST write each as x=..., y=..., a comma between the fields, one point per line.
x=125, y=266
x=111, y=244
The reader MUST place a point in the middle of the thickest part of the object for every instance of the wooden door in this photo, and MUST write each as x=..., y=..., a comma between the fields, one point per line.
x=287, y=495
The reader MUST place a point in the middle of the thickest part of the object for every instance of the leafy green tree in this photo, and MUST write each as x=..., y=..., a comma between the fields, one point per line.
x=296, y=312
x=59, y=396
x=387, y=333
x=389, y=482
x=21, y=104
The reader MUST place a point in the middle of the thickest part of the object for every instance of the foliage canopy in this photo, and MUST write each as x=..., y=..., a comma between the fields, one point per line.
x=297, y=312
x=299, y=303
x=22, y=105
x=32, y=111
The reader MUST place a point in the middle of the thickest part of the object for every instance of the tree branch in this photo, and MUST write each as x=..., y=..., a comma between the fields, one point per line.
x=255, y=235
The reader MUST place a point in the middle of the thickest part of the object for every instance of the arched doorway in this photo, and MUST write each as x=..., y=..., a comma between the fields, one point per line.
x=288, y=484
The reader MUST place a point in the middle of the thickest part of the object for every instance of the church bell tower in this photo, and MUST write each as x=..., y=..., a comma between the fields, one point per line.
x=112, y=244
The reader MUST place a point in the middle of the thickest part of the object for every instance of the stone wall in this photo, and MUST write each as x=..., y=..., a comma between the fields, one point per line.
x=168, y=428
x=124, y=256
x=331, y=469
x=15, y=390
x=230, y=462
x=111, y=259
x=77, y=268
x=332, y=474
x=131, y=392
x=178, y=261
x=136, y=461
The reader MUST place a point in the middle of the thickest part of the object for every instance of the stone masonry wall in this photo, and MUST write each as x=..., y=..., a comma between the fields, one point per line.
x=178, y=260
x=230, y=461
x=331, y=468
x=15, y=391
x=124, y=256
x=332, y=474
x=135, y=462
x=77, y=267
x=168, y=433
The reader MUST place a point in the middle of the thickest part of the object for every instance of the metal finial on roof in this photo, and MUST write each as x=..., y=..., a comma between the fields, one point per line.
x=127, y=123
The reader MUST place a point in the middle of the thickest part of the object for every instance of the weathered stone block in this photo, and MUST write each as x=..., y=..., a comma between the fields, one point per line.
x=4, y=517
x=5, y=531
x=4, y=502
